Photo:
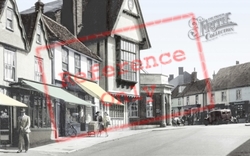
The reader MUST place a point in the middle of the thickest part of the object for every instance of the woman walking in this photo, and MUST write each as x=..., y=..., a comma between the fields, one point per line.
x=106, y=121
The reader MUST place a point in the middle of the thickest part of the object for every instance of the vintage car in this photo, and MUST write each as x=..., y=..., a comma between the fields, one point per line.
x=218, y=116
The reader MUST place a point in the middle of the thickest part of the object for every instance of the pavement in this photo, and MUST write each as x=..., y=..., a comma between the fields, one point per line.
x=68, y=145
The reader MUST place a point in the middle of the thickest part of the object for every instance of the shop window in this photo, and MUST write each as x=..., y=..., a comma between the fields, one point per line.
x=149, y=107
x=39, y=114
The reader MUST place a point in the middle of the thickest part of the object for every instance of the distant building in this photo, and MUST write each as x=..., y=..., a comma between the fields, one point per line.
x=155, y=102
x=231, y=89
x=188, y=98
x=182, y=78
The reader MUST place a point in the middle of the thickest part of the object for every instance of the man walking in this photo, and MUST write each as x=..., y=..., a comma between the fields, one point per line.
x=24, y=130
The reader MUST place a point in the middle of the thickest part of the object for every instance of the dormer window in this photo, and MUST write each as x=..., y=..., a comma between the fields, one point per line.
x=9, y=19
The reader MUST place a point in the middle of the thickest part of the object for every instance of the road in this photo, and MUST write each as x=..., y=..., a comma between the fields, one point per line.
x=217, y=140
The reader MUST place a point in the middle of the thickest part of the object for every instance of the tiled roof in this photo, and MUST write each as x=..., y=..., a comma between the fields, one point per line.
x=232, y=77
x=99, y=16
x=191, y=88
x=29, y=21
x=56, y=31
x=2, y=4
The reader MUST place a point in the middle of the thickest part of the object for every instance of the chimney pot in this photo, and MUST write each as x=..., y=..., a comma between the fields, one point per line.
x=237, y=62
x=39, y=6
x=180, y=70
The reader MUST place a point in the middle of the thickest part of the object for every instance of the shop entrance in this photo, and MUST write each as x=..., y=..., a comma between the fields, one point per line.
x=5, y=125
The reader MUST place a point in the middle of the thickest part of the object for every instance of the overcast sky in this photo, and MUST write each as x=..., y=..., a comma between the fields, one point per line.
x=221, y=52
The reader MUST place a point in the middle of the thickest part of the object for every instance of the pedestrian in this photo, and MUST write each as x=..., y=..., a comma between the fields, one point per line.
x=24, y=130
x=106, y=121
x=100, y=123
x=88, y=120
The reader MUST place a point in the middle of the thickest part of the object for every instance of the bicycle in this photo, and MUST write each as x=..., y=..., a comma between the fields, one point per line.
x=71, y=131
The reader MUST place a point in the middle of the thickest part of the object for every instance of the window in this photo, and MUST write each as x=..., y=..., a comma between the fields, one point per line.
x=38, y=69
x=89, y=66
x=149, y=107
x=196, y=99
x=77, y=64
x=238, y=94
x=133, y=109
x=38, y=33
x=65, y=59
x=223, y=96
x=212, y=100
x=9, y=19
x=187, y=100
x=9, y=65
x=179, y=101
x=128, y=55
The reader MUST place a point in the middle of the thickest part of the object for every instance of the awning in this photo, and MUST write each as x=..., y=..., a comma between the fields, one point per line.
x=8, y=101
x=57, y=92
x=96, y=91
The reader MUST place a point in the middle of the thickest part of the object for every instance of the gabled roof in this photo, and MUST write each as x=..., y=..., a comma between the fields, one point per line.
x=29, y=22
x=57, y=32
x=99, y=16
x=191, y=88
x=19, y=20
x=2, y=5
x=232, y=77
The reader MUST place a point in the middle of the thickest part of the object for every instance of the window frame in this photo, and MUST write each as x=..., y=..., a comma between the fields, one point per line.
x=77, y=68
x=38, y=34
x=11, y=19
x=196, y=99
x=133, y=113
x=37, y=73
x=9, y=65
x=65, y=51
x=89, y=68
x=128, y=54
x=149, y=107
x=187, y=98
x=212, y=98
x=238, y=94
x=223, y=96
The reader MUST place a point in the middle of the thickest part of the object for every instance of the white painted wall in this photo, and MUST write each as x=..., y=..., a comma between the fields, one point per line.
x=245, y=94
x=26, y=61
x=58, y=63
x=217, y=97
x=7, y=36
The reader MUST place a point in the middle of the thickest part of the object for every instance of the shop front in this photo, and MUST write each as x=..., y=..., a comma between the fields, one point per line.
x=107, y=102
x=48, y=107
x=240, y=109
x=7, y=104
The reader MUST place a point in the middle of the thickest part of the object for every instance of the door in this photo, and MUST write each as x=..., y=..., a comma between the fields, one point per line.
x=5, y=125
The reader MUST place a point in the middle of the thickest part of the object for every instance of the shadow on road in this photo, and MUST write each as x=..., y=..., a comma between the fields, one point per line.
x=242, y=150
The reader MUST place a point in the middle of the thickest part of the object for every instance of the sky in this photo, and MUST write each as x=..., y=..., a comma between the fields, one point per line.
x=231, y=45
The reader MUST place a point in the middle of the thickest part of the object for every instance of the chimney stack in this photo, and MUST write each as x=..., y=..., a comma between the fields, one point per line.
x=214, y=75
x=180, y=70
x=237, y=62
x=39, y=6
x=171, y=77
x=194, y=76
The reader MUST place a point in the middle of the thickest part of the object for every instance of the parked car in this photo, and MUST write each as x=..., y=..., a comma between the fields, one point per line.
x=218, y=116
